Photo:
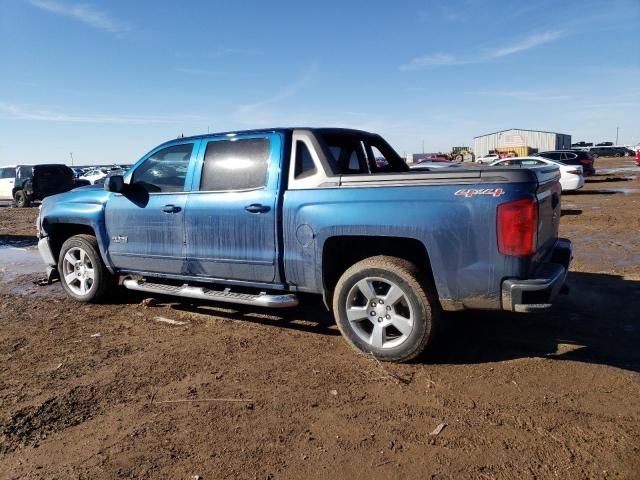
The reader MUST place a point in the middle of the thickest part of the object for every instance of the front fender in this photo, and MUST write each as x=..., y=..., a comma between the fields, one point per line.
x=79, y=207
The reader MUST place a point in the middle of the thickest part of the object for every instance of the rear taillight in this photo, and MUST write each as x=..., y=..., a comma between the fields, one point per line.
x=575, y=172
x=517, y=227
x=586, y=162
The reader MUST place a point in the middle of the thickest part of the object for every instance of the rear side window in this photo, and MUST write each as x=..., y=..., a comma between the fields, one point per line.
x=25, y=172
x=235, y=164
x=552, y=155
x=9, y=172
x=165, y=170
x=304, y=162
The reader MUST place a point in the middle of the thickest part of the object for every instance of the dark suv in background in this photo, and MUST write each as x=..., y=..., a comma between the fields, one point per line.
x=571, y=157
x=609, y=151
x=35, y=182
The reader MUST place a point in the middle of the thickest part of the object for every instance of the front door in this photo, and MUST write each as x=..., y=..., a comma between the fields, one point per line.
x=231, y=213
x=145, y=225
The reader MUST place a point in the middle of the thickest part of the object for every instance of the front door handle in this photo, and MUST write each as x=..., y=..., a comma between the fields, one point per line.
x=171, y=209
x=257, y=208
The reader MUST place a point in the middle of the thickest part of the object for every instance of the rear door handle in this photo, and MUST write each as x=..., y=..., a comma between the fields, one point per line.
x=257, y=208
x=171, y=209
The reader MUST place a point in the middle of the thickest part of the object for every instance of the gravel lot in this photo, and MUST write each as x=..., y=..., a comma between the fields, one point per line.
x=109, y=391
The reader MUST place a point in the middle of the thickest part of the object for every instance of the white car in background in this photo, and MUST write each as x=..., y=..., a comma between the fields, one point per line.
x=7, y=181
x=93, y=175
x=571, y=176
x=488, y=159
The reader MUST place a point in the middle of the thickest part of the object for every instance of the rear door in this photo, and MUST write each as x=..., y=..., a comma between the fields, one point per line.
x=145, y=226
x=230, y=221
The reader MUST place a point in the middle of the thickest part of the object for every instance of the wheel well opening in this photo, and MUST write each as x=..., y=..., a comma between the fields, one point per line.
x=340, y=253
x=60, y=232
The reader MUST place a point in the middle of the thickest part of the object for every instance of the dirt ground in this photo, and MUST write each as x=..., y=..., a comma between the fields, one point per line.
x=110, y=391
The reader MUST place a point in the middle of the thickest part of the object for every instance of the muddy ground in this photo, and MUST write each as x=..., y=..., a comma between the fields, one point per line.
x=109, y=391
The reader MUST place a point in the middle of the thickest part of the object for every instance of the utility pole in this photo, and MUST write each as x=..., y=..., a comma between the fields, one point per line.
x=71, y=155
x=617, y=129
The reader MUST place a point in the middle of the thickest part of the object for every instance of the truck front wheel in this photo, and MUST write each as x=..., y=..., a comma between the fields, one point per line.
x=83, y=274
x=22, y=199
x=385, y=306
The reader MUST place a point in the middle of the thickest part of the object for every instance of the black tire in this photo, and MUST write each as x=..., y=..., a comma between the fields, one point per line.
x=102, y=283
x=22, y=199
x=418, y=298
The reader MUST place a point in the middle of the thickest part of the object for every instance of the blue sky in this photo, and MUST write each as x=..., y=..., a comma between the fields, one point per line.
x=109, y=80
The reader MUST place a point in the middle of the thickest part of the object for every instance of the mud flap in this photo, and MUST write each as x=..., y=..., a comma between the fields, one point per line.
x=52, y=276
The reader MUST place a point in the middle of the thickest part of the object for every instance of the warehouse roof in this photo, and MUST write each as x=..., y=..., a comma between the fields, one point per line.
x=523, y=129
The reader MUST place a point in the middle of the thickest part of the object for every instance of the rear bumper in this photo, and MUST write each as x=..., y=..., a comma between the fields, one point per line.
x=537, y=293
x=573, y=183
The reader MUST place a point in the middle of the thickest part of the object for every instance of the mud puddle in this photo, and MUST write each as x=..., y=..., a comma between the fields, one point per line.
x=16, y=261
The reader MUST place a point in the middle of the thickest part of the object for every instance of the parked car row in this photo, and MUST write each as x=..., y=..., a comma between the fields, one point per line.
x=580, y=158
x=98, y=174
x=571, y=176
x=28, y=183
x=609, y=151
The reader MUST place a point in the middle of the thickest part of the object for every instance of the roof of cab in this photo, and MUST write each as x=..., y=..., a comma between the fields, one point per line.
x=270, y=130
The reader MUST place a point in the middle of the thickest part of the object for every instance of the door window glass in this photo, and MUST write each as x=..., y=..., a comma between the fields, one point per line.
x=235, y=164
x=165, y=170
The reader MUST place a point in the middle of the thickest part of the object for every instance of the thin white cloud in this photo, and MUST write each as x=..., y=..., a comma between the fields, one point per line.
x=203, y=72
x=84, y=13
x=526, y=44
x=435, y=60
x=527, y=95
x=18, y=112
x=286, y=92
x=446, y=59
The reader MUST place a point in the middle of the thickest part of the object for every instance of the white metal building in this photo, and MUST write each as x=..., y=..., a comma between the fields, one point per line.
x=515, y=137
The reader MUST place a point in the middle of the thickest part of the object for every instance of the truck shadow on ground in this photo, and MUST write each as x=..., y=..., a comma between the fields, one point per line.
x=591, y=192
x=569, y=211
x=607, y=179
x=309, y=316
x=597, y=322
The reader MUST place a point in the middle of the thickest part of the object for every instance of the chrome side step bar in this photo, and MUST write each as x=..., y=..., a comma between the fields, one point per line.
x=201, y=293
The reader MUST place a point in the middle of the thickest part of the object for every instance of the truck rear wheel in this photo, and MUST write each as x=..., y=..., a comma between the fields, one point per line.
x=83, y=274
x=22, y=199
x=385, y=306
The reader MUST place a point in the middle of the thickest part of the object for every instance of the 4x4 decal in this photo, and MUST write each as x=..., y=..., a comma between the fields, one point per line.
x=470, y=192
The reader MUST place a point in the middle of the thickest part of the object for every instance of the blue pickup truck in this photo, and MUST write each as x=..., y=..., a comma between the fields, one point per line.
x=257, y=217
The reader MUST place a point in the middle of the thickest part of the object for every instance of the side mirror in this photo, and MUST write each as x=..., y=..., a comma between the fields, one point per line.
x=114, y=184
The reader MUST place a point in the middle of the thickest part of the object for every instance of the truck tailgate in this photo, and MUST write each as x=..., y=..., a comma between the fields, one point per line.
x=549, y=209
